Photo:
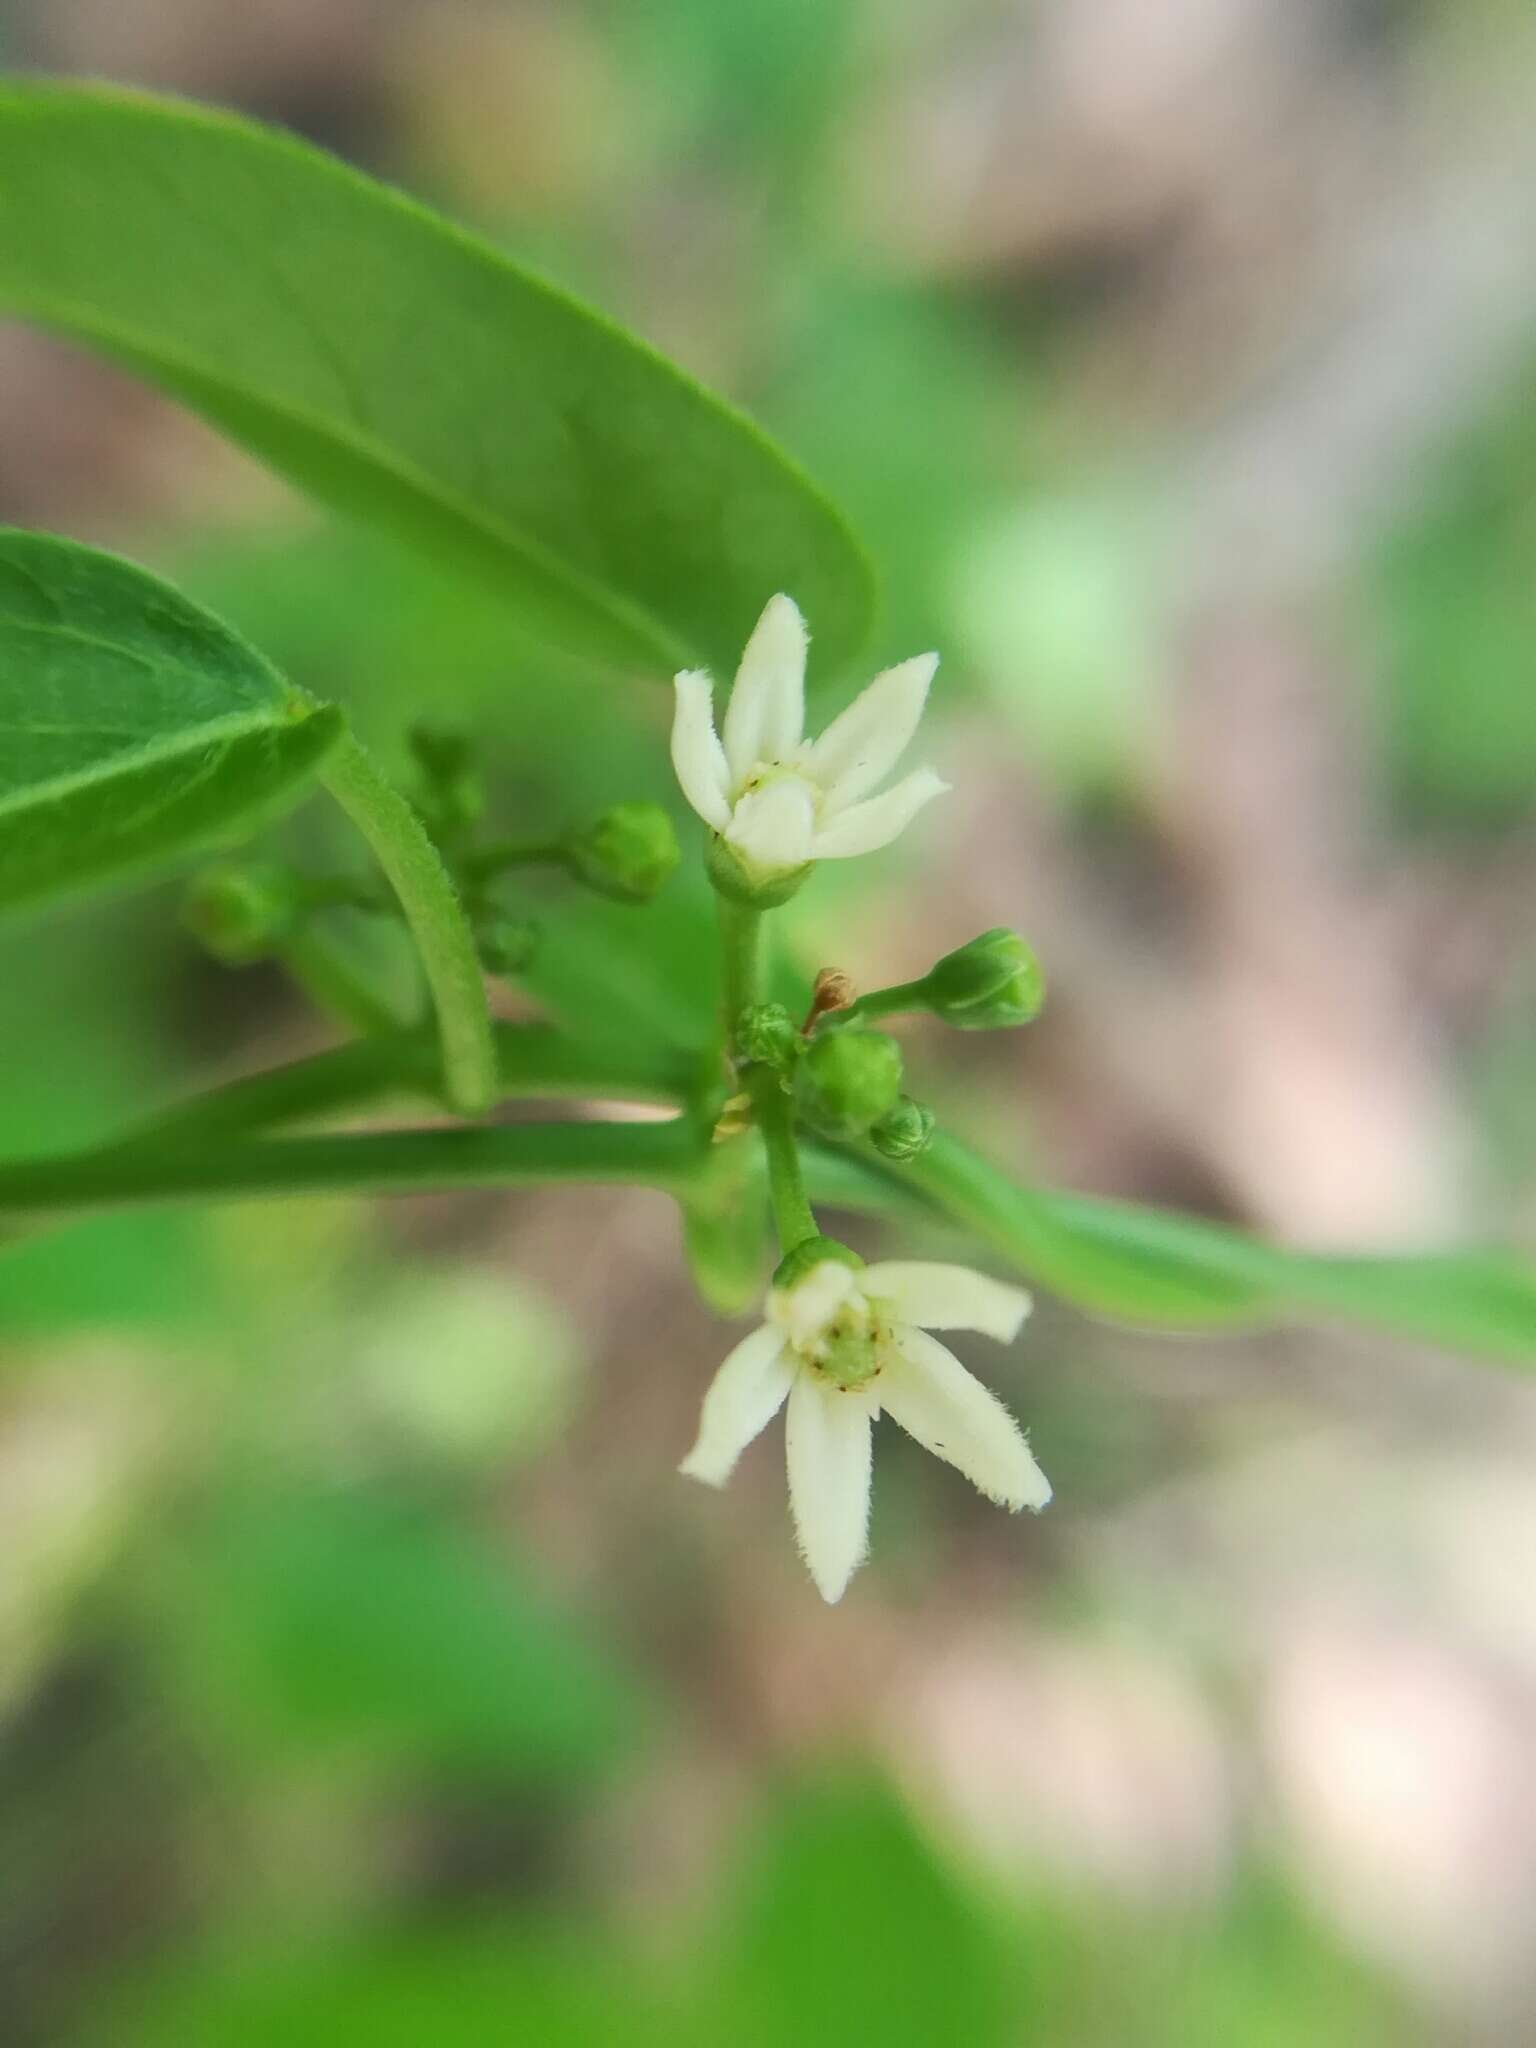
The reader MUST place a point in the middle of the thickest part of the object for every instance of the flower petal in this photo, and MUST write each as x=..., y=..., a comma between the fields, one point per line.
x=697, y=754
x=876, y=823
x=863, y=744
x=827, y=1449
x=933, y=1397
x=774, y=826
x=766, y=714
x=939, y=1297
x=743, y=1398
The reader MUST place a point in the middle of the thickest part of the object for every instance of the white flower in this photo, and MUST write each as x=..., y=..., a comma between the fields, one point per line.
x=778, y=799
x=842, y=1346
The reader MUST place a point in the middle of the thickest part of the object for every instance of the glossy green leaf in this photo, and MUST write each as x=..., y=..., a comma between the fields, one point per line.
x=134, y=725
x=402, y=370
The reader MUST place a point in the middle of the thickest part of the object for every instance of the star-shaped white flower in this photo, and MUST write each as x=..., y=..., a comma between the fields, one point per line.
x=780, y=800
x=842, y=1345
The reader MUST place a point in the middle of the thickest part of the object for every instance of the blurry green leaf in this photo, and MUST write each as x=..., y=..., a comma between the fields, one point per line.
x=1152, y=1265
x=136, y=726
x=460, y=1988
x=406, y=372
x=916, y=418
x=851, y=1930
x=349, y=1626
x=1455, y=613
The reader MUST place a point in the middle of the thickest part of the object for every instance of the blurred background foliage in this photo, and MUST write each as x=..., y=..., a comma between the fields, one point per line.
x=364, y=1674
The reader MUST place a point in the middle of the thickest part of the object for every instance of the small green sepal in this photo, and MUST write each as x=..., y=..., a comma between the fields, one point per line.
x=745, y=883
x=812, y=1252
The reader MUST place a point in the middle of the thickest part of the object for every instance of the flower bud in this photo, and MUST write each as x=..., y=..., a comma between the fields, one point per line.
x=992, y=983
x=454, y=796
x=628, y=853
x=241, y=914
x=507, y=945
x=847, y=1081
x=904, y=1131
x=766, y=1036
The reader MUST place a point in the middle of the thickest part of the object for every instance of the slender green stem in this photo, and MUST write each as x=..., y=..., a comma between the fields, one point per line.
x=792, y=1214
x=660, y=1155
x=901, y=997
x=488, y=861
x=333, y=983
x=532, y=1060
x=740, y=947
x=432, y=910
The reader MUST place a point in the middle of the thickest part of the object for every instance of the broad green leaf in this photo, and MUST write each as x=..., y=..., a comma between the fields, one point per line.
x=400, y=369
x=134, y=725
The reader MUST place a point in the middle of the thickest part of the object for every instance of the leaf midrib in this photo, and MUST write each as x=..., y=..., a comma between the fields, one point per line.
x=231, y=726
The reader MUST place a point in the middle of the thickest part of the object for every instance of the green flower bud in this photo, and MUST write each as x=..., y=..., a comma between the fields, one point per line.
x=628, y=853
x=766, y=1035
x=455, y=796
x=507, y=945
x=992, y=983
x=812, y=1251
x=241, y=914
x=847, y=1081
x=744, y=882
x=903, y=1132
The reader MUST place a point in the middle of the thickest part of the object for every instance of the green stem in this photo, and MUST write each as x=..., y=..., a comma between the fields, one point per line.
x=740, y=930
x=488, y=861
x=664, y=1155
x=901, y=997
x=432, y=910
x=531, y=1060
x=333, y=984
x=792, y=1214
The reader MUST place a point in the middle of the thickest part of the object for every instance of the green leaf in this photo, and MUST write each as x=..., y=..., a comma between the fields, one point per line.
x=1154, y=1266
x=352, y=1626
x=135, y=726
x=402, y=370
x=850, y=1929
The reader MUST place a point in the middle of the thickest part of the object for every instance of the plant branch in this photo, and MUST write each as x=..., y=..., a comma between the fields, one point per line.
x=531, y=1060
x=660, y=1155
x=792, y=1214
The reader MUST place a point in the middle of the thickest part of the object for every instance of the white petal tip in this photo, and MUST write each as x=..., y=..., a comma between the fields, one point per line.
x=1009, y=1324
x=694, y=1467
x=1038, y=1495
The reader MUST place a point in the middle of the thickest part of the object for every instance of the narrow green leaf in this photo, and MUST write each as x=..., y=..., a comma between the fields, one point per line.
x=133, y=726
x=1151, y=1265
x=404, y=371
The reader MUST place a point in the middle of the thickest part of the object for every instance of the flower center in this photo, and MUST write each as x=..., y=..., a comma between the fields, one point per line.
x=850, y=1348
x=763, y=774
